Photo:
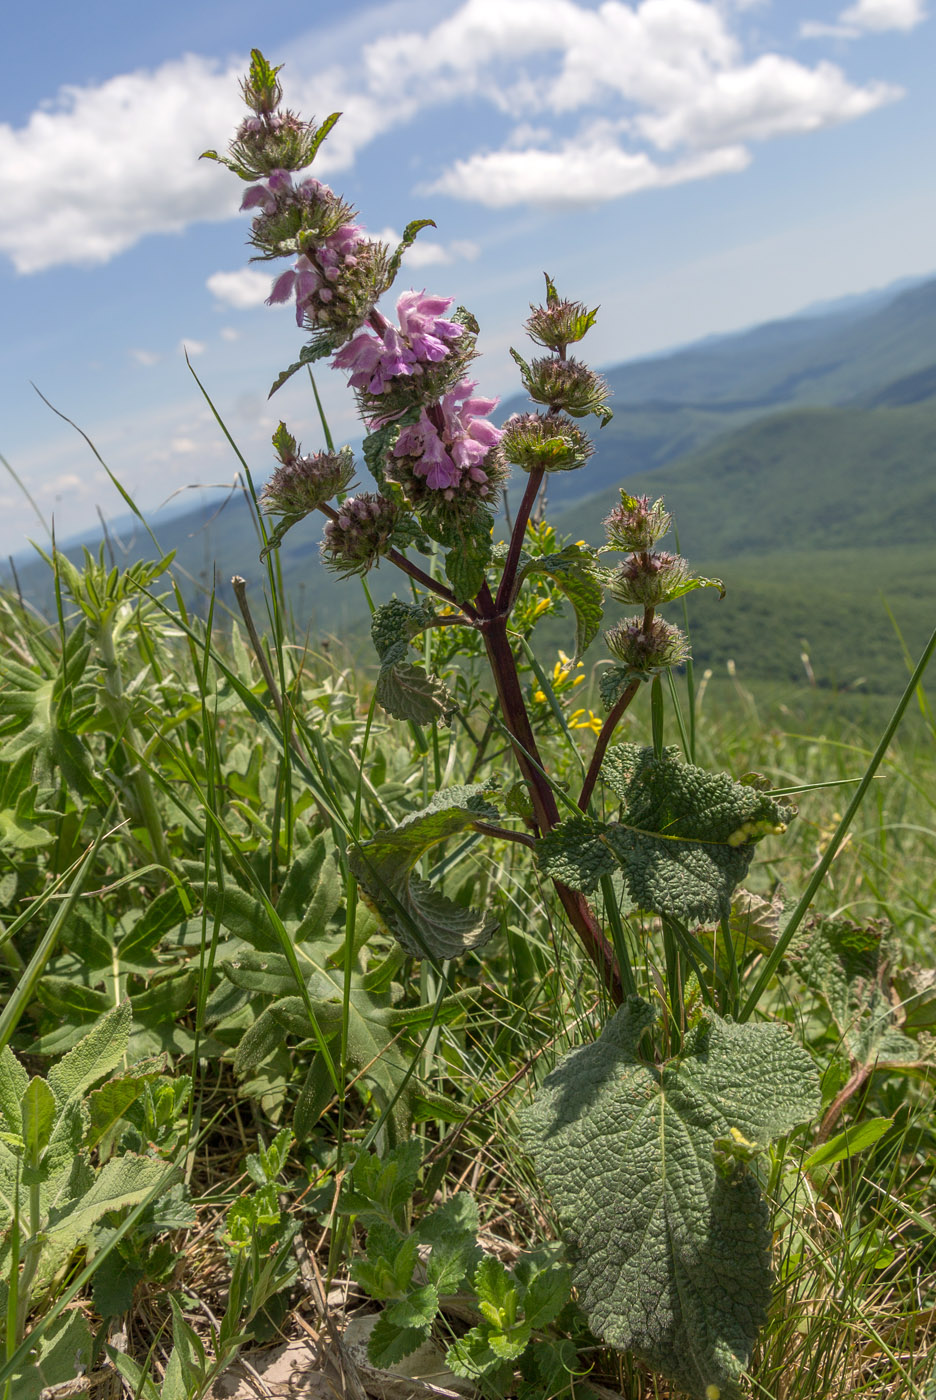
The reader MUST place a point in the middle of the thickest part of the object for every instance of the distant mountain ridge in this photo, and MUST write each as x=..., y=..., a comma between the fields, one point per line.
x=800, y=460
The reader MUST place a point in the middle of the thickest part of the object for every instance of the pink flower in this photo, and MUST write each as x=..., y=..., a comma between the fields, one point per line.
x=453, y=458
x=375, y=360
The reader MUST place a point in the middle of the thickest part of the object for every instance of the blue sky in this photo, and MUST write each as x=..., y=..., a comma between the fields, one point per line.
x=694, y=166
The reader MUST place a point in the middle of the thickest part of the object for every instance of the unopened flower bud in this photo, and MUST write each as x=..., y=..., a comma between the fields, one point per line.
x=302, y=484
x=636, y=524
x=649, y=579
x=548, y=442
x=362, y=532
x=646, y=650
x=559, y=323
x=568, y=385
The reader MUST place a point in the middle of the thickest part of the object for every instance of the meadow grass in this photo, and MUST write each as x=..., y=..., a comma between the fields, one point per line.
x=161, y=775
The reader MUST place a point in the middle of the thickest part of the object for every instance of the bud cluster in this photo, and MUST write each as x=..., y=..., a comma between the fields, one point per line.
x=647, y=649
x=360, y=533
x=558, y=324
x=636, y=524
x=566, y=384
x=302, y=484
x=544, y=442
x=648, y=579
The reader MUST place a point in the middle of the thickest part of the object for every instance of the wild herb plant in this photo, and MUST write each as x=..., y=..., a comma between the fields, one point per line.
x=648, y=1139
x=364, y=918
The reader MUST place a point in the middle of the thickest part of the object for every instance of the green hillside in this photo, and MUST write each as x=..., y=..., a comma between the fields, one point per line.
x=814, y=518
x=832, y=478
x=813, y=513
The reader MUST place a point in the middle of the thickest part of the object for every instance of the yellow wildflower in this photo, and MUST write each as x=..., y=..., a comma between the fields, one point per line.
x=576, y=721
x=539, y=697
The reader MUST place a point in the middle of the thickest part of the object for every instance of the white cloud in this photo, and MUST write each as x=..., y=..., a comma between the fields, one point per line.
x=671, y=73
x=242, y=289
x=229, y=333
x=576, y=174
x=191, y=347
x=818, y=29
x=146, y=358
x=427, y=253
x=122, y=157
x=885, y=14
x=100, y=167
x=772, y=97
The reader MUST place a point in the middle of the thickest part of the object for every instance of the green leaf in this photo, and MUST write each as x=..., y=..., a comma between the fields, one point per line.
x=266, y=1034
x=389, y=1343
x=265, y=1165
x=407, y=241
x=422, y=918
x=403, y=687
x=133, y=1373
x=13, y=1081
x=849, y=966
x=684, y=842
x=466, y=563
x=113, y=1286
x=312, y=890
x=315, y=1095
x=613, y=682
x=473, y=1358
x=38, y=1115
x=165, y=911
x=109, y=1104
x=71, y=1000
x=321, y=345
x=916, y=988
x=97, y=1054
x=123, y=1181
x=406, y=691
x=570, y=569
x=848, y=1143
x=451, y=1230
x=670, y=1256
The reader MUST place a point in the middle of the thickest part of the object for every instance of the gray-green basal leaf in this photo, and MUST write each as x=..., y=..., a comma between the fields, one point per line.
x=670, y=1254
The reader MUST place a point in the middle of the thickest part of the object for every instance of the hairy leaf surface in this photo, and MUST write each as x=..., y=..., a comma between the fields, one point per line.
x=849, y=968
x=420, y=916
x=404, y=688
x=684, y=842
x=670, y=1255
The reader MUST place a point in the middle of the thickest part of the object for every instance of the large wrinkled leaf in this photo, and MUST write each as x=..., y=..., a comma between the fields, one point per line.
x=422, y=918
x=668, y=1229
x=849, y=968
x=685, y=839
x=571, y=569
